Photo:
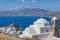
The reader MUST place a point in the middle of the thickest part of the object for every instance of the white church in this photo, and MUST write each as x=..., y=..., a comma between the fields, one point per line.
x=41, y=27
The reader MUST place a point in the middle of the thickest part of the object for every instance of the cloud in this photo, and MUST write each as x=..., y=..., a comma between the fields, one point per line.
x=22, y=1
x=33, y=1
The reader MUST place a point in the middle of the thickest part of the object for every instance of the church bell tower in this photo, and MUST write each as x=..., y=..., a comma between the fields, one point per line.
x=55, y=27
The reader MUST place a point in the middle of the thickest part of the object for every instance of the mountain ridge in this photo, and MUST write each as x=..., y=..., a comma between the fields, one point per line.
x=29, y=12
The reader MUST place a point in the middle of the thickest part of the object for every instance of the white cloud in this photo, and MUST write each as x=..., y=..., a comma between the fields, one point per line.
x=22, y=1
x=33, y=1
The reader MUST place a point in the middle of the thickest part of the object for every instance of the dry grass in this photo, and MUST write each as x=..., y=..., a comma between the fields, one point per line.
x=6, y=37
x=28, y=39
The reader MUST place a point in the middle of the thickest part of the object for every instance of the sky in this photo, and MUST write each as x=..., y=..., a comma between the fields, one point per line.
x=52, y=5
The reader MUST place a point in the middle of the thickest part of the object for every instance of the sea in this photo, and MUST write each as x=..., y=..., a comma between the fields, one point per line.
x=21, y=21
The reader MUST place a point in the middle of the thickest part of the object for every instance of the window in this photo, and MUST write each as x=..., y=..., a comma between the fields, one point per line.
x=43, y=30
x=32, y=30
x=45, y=24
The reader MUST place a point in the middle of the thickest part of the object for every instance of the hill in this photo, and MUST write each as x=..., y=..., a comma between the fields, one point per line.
x=7, y=37
x=29, y=12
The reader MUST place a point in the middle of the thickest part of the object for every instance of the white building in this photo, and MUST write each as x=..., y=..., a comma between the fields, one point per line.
x=39, y=27
x=11, y=30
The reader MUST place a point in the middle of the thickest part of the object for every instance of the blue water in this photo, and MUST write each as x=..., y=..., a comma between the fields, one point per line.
x=20, y=21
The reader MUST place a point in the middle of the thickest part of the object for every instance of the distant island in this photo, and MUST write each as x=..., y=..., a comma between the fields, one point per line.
x=29, y=12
